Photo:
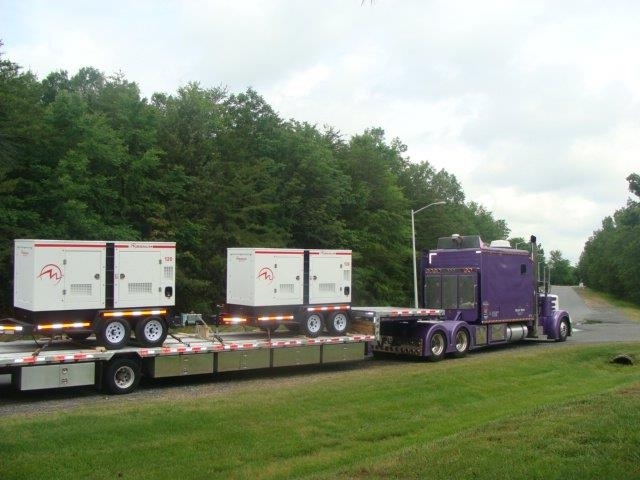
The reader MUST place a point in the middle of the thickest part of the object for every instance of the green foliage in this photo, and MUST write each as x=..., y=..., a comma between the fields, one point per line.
x=560, y=269
x=86, y=157
x=609, y=261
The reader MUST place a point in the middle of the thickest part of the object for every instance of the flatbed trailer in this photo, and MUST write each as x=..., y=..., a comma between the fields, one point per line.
x=61, y=363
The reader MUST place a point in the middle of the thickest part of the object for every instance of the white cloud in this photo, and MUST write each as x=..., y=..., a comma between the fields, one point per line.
x=534, y=106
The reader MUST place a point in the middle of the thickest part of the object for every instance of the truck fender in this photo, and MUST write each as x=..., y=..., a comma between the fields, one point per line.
x=560, y=331
x=552, y=328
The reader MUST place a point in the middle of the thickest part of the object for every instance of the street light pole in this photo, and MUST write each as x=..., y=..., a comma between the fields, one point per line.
x=413, y=244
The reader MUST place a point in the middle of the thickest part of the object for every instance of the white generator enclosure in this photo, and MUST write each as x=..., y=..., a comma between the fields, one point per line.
x=273, y=277
x=58, y=275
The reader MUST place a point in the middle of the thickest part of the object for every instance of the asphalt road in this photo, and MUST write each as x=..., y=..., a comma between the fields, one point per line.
x=595, y=322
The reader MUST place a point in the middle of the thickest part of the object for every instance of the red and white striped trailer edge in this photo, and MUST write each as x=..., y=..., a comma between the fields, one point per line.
x=62, y=364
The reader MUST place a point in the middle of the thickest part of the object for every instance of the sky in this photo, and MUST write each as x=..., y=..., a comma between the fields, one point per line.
x=532, y=105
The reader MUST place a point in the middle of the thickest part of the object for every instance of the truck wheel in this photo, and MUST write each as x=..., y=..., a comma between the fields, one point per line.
x=462, y=343
x=563, y=330
x=114, y=333
x=151, y=331
x=312, y=325
x=121, y=376
x=338, y=323
x=437, y=346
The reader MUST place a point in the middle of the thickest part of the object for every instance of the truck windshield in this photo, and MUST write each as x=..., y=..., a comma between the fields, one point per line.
x=450, y=291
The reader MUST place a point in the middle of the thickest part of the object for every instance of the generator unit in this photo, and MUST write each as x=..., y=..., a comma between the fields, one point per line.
x=296, y=287
x=108, y=288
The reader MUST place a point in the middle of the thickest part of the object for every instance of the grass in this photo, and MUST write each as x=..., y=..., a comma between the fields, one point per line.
x=537, y=411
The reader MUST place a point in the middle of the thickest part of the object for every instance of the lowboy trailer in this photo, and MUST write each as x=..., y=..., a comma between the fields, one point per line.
x=63, y=364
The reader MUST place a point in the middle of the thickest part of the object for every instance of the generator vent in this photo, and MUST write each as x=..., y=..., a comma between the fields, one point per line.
x=140, y=288
x=168, y=272
x=286, y=288
x=81, y=289
x=327, y=287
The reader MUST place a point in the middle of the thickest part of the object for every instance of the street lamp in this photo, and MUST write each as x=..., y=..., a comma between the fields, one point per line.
x=413, y=240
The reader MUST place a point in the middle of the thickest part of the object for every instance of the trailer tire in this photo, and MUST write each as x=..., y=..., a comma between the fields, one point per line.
x=114, y=333
x=122, y=376
x=151, y=331
x=338, y=323
x=563, y=330
x=312, y=324
x=462, y=343
x=437, y=346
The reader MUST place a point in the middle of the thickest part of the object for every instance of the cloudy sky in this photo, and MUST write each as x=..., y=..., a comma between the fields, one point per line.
x=533, y=105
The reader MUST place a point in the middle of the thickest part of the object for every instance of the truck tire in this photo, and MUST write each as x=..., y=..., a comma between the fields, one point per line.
x=312, y=324
x=563, y=330
x=122, y=375
x=114, y=333
x=338, y=323
x=151, y=331
x=437, y=346
x=462, y=343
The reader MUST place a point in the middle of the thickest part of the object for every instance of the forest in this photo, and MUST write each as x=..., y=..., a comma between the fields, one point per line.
x=84, y=156
x=610, y=260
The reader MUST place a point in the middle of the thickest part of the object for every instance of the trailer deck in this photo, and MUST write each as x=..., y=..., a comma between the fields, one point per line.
x=63, y=363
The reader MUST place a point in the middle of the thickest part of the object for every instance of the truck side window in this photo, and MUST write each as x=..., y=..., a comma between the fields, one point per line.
x=449, y=291
x=433, y=292
x=466, y=291
x=523, y=269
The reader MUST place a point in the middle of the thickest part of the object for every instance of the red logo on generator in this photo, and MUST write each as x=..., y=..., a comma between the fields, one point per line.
x=265, y=274
x=52, y=272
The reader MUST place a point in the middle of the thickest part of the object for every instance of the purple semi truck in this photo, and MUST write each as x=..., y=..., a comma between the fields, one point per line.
x=472, y=295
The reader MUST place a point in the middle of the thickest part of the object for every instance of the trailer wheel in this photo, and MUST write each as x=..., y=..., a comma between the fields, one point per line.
x=437, y=346
x=338, y=323
x=462, y=343
x=114, y=333
x=563, y=330
x=312, y=325
x=151, y=331
x=122, y=375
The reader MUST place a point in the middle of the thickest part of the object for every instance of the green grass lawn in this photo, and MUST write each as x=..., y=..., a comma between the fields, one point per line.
x=536, y=411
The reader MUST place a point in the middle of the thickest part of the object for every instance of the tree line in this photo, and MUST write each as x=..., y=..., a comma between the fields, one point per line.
x=610, y=259
x=84, y=156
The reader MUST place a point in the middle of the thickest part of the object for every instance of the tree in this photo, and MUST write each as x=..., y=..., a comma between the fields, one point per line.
x=609, y=259
x=560, y=270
